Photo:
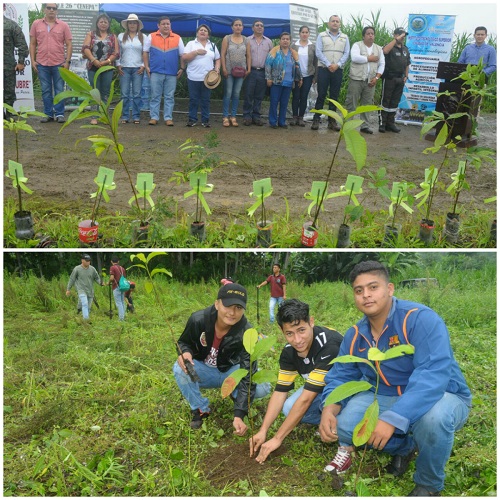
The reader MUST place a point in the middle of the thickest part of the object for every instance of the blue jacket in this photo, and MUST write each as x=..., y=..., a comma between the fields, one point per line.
x=420, y=379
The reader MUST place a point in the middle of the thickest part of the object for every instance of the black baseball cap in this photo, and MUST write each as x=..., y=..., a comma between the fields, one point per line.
x=233, y=294
x=86, y=256
x=400, y=31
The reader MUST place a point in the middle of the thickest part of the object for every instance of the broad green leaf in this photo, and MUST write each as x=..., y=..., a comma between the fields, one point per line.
x=347, y=390
x=160, y=270
x=362, y=490
x=148, y=286
x=286, y=461
x=339, y=107
x=366, y=426
x=375, y=354
x=75, y=82
x=141, y=257
x=96, y=95
x=356, y=146
x=442, y=136
x=347, y=358
x=176, y=455
x=264, y=376
x=428, y=126
x=330, y=114
x=362, y=109
x=250, y=338
x=231, y=382
x=101, y=140
x=352, y=124
x=115, y=118
x=151, y=256
x=262, y=347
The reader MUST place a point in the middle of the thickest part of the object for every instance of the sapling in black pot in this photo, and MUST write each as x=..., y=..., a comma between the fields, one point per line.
x=400, y=198
x=261, y=190
x=16, y=123
x=144, y=187
x=199, y=185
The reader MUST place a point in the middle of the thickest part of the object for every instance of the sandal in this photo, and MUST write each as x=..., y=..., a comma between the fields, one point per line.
x=93, y=121
x=123, y=122
x=233, y=121
x=225, y=122
x=137, y=122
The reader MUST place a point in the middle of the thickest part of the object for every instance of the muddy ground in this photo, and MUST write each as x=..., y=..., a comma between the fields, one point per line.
x=61, y=170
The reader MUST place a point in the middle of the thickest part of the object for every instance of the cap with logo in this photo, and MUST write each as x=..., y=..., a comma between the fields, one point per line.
x=86, y=256
x=400, y=31
x=233, y=294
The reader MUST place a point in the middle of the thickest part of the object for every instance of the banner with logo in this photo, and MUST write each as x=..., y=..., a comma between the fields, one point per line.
x=429, y=40
x=18, y=12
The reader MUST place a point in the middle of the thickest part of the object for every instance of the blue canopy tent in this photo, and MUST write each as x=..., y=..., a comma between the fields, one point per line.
x=219, y=16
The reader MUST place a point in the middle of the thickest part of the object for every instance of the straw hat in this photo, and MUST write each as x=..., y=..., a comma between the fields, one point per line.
x=132, y=17
x=212, y=79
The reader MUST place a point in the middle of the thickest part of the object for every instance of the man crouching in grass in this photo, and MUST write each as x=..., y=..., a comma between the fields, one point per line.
x=308, y=353
x=212, y=342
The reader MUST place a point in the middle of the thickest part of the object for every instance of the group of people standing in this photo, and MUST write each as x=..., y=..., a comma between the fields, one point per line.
x=289, y=68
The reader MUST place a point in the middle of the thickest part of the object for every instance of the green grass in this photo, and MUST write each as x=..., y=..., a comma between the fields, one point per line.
x=94, y=410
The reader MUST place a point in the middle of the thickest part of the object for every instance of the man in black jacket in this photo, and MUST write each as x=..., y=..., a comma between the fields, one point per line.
x=212, y=342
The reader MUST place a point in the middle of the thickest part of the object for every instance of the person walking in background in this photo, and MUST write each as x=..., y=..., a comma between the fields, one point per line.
x=256, y=85
x=308, y=354
x=130, y=67
x=397, y=64
x=201, y=56
x=101, y=49
x=332, y=50
x=367, y=66
x=13, y=38
x=278, y=289
x=480, y=49
x=212, y=342
x=115, y=273
x=236, y=62
x=83, y=277
x=129, y=302
x=49, y=37
x=423, y=397
x=162, y=53
x=308, y=62
x=282, y=73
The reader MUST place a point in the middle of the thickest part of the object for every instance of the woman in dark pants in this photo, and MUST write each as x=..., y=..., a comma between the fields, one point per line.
x=308, y=66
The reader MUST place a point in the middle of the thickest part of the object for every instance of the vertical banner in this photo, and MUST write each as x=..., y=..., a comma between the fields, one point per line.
x=300, y=15
x=18, y=12
x=429, y=40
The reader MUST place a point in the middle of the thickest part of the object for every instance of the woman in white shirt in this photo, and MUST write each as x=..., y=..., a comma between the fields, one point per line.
x=308, y=66
x=131, y=67
x=201, y=56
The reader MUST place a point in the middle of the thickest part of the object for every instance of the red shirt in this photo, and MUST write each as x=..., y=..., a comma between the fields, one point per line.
x=277, y=283
x=211, y=359
x=50, y=43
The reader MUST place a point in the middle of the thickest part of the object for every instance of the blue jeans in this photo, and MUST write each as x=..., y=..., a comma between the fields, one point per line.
x=313, y=413
x=272, y=304
x=211, y=378
x=433, y=434
x=280, y=95
x=299, y=99
x=85, y=303
x=131, y=86
x=52, y=84
x=232, y=89
x=103, y=84
x=162, y=85
x=327, y=79
x=254, y=95
x=199, y=97
x=119, y=297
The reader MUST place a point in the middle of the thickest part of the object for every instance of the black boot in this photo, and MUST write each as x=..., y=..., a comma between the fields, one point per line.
x=382, y=122
x=315, y=123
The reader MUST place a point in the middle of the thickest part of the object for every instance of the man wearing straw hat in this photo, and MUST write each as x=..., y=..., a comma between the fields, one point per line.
x=162, y=53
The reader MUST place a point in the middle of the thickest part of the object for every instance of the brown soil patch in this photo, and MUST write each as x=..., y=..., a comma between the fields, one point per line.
x=60, y=170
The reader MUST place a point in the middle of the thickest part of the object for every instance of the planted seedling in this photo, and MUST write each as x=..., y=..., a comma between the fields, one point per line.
x=429, y=187
x=400, y=198
x=144, y=186
x=354, y=142
x=256, y=348
x=365, y=427
x=199, y=185
x=262, y=189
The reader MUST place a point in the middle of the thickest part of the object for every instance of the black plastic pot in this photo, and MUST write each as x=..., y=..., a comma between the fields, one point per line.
x=264, y=234
x=344, y=238
x=426, y=231
x=451, y=227
x=197, y=229
x=391, y=234
x=24, y=225
x=309, y=235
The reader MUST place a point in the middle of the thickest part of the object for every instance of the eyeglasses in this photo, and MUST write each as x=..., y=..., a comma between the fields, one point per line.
x=51, y=8
x=258, y=25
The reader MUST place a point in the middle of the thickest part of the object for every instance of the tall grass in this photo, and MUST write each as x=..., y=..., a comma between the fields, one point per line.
x=94, y=410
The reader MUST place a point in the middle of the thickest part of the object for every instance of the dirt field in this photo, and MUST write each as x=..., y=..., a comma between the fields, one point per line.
x=59, y=169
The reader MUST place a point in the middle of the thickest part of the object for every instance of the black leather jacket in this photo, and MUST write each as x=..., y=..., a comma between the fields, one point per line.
x=197, y=339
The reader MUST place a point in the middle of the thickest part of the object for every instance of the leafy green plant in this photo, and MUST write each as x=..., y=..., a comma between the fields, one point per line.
x=199, y=185
x=354, y=142
x=365, y=427
x=261, y=190
x=400, y=197
x=353, y=187
x=256, y=348
x=101, y=143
